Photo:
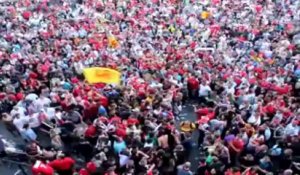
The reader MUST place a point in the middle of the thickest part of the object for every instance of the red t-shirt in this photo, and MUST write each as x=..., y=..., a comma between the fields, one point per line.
x=270, y=109
x=211, y=115
x=203, y=120
x=83, y=172
x=62, y=164
x=91, y=131
x=121, y=132
x=91, y=167
x=265, y=84
x=238, y=143
x=104, y=101
x=202, y=112
x=287, y=114
x=39, y=168
x=230, y=172
x=115, y=119
x=91, y=112
x=237, y=80
x=193, y=83
x=132, y=121
x=26, y=15
x=77, y=91
x=282, y=90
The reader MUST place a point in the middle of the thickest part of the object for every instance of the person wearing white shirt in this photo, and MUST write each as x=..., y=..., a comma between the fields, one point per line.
x=19, y=122
x=230, y=87
x=204, y=92
x=78, y=67
x=254, y=119
x=292, y=129
x=43, y=101
x=18, y=110
x=33, y=120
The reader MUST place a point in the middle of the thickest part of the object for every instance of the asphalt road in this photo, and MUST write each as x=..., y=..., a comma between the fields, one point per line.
x=8, y=168
x=189, y=114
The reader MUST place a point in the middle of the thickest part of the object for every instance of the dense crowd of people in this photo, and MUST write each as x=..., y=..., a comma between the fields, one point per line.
x=236, y=62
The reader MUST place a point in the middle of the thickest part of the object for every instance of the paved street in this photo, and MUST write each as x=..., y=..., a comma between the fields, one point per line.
x=188, y=114
x=5, y=167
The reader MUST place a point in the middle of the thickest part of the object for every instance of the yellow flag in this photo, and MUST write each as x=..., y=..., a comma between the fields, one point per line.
x=112, y=42
x=172, y=29
x=102, y=75
x=205, y=14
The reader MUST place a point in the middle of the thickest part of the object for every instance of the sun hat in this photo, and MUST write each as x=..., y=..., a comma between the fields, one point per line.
x=187, y=126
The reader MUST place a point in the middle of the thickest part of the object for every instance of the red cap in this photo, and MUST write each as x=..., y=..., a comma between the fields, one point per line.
x=45, y=68
x=26, y=15
x=83, y=171
x=33, y=75
x=74, y=80
x=19, y=96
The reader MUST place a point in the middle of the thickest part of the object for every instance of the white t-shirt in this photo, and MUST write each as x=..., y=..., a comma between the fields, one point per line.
x=291, y=130
x=123, y=160
x=20, y=122
x=34, y=121
x=42, y=102
x=204, y=90
x=253, y=120
x=20, y=110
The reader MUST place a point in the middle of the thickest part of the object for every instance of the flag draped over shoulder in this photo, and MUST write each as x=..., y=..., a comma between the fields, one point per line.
x=102, y=75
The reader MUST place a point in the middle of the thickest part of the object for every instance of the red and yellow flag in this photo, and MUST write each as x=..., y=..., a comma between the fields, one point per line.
x=102, y=75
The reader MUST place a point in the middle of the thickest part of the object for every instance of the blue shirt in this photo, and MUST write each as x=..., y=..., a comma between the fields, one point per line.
x=119, y=146
x=67, y=86
x=29, y=135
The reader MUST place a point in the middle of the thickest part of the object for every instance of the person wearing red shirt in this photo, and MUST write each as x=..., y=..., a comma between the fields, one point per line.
x=193, y=86
x=236, y=146
x=40, y=168
x=115, y=119
x=250, y=171
x=121, y=130
x=91, y=131
x=282, y=90
x=91, y=167
x=63, y=165
x=91, y=112
x=232, y=172
x=270, y=109
x=132, y=121
x=83, y=171
x=103, y=101
x=204, y=112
